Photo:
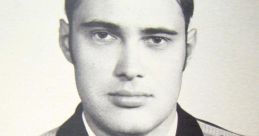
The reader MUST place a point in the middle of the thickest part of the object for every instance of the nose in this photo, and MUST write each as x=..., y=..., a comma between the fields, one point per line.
x=129, y=65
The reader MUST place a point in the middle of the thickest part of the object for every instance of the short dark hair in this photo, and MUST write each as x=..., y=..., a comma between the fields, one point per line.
x=186, y=5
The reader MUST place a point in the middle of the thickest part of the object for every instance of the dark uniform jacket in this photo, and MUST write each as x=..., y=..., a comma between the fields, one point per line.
x=187, y=126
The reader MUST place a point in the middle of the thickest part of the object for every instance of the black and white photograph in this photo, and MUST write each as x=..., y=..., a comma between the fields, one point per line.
x=129, y=68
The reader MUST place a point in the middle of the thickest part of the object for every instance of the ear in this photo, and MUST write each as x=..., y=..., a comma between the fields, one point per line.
x=191, y=42
x=64, y=39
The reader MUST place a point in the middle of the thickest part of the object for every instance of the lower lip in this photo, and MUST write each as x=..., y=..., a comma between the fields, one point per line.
x=129, y=101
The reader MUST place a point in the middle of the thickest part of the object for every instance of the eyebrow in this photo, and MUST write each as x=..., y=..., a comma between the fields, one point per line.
x=97, y=23
x=116, y=28
x=159, y=31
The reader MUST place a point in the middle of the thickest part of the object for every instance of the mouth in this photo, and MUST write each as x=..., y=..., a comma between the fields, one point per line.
x=129, y=99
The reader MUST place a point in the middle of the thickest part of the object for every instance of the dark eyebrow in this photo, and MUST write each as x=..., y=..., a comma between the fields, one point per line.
x=159, y=31
x=96, y=23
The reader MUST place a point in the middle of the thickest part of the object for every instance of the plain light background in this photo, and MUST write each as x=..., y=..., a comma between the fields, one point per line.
x=37, y=88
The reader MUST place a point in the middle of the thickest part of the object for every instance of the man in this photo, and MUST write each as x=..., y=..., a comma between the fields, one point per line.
x=129, y=57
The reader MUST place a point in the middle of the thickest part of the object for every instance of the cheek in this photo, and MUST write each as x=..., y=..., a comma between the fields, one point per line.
x=169, y=65
x=166, y=73
x=93, y=72
x=93, y=69
x=93, y=83
x=167, y=85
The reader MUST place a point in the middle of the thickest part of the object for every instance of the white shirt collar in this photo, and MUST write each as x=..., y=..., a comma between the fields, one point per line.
x=172, y=131
x=88, y=129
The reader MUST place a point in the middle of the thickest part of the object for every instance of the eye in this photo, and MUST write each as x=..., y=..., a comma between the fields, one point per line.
x=103, y=37
x=157, y=41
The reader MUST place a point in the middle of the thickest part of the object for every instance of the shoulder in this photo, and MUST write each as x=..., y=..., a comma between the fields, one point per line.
x=52, y=132
x=209, y=129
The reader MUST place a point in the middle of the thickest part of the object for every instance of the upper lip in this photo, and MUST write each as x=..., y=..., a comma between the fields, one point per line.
x=127, y=93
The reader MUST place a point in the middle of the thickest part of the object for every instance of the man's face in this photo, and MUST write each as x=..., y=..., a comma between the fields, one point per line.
x=128, y=57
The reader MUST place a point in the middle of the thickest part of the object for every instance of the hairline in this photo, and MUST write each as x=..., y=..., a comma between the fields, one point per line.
x=71, y=5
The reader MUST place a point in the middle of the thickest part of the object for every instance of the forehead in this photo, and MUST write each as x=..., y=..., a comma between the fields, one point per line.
x=142, y=13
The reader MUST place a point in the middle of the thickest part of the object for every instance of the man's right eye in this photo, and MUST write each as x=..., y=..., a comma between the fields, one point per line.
x=103, y=37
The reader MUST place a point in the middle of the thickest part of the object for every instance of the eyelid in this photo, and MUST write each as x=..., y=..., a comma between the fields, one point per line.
x=101, y=31
x=156, y=36
x=113, y=32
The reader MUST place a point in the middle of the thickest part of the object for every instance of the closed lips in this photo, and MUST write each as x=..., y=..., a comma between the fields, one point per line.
x=127, y=99
x=124, y=93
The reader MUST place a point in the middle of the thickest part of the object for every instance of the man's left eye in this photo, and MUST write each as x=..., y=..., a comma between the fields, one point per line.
x=157, y=41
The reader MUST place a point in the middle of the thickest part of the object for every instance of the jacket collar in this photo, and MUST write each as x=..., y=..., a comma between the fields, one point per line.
x=187, y=124
x=74, y=126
